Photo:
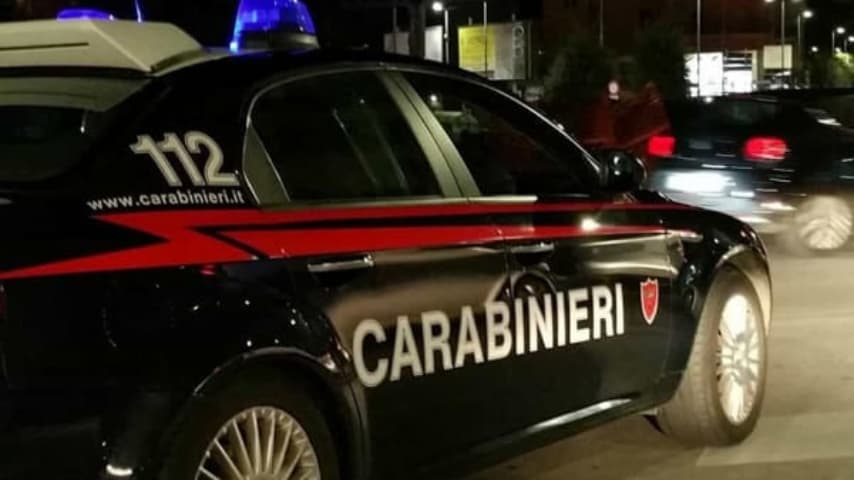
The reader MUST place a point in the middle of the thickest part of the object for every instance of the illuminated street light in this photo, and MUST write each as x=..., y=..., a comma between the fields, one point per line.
x=814, y=49
x=804, y=15
x=782, y=33
x=439, y=7
x=833, y=34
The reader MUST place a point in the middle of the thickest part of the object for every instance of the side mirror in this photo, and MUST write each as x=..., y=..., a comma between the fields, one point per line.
x=623, y=171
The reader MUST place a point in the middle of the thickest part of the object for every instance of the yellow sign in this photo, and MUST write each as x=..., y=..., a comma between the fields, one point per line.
x=473, y=51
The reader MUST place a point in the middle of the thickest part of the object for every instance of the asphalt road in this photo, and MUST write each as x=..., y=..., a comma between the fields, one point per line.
x=807, y=426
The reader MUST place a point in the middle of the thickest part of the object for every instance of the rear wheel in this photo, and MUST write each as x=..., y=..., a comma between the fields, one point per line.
x=821, y=224
x=261, y=427
x=720, y=397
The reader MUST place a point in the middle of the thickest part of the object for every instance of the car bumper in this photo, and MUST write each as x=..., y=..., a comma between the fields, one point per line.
x=768, y=211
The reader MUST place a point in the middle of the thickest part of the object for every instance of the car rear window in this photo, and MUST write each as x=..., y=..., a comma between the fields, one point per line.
x=732, y=114
x=48, y=124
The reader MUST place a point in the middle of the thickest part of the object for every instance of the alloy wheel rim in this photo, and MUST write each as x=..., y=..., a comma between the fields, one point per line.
x=828, y=231
x=739, y=359
x=260, y=443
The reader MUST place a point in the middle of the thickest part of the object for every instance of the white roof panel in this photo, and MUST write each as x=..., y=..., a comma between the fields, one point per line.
x=92, y=43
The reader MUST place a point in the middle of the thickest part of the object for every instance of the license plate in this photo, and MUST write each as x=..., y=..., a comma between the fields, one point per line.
x=699, y=144
x=697, y=182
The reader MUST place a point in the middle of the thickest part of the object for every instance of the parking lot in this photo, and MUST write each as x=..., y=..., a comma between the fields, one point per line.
x=807, y=427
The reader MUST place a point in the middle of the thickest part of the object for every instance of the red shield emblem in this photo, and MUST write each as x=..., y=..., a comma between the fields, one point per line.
x=649, y=300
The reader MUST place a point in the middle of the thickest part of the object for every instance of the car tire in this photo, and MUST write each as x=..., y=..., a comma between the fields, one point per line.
x=822, y=224
x=720, y=396
x=230, y=423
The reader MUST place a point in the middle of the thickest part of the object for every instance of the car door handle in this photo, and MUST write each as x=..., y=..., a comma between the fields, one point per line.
x=359, y=263
x=533, y=248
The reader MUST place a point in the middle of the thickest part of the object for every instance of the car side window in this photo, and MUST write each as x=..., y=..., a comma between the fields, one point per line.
x=341, y=137
x=496, y=139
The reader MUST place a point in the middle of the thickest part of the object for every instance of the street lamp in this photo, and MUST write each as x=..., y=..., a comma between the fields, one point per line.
x=439, y=7
x=782, y=33
x=804, y=15
x=814, y=49
x=833, y=33
x=699, y=45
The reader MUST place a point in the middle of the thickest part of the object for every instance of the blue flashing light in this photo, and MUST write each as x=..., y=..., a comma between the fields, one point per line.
x=84, y=13
x=138, y=9
x=290, y=16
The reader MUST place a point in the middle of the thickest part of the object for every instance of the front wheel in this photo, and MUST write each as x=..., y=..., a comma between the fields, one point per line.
x=257, y=428
x=720, y=397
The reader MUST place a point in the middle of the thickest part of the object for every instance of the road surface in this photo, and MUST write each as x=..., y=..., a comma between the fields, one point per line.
x=807, y=427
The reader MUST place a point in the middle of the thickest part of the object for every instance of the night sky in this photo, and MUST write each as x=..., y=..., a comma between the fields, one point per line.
x=828, y=14
x=211, y=20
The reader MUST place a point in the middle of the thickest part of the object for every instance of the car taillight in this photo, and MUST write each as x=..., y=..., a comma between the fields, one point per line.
x=661, y=146
x=765, y=149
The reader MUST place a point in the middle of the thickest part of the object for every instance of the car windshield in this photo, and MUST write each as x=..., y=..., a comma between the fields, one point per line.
x=48, y=124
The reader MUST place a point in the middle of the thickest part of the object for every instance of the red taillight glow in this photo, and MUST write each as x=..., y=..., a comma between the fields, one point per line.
x=765, y=149
x=208, y=270
x=661, y=146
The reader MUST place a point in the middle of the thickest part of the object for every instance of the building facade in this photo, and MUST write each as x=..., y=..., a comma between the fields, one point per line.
x=726, y=24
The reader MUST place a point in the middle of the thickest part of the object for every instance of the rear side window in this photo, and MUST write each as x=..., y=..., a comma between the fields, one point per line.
x=341, y=137
x=41, y=142
x=48, y=124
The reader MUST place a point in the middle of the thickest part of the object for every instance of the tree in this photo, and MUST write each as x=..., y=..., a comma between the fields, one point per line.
x=660, y=56
x=831, y=71
x=579, y=74
x=841, y=71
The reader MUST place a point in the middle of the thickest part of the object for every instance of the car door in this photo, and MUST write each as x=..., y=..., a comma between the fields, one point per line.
x=590, y=272
x=380, y=240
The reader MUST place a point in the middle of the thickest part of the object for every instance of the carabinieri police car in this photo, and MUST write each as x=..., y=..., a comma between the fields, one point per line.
x=303, y=264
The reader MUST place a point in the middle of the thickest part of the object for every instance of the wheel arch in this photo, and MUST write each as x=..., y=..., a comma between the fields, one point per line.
x=338, y=396
x=755, y=268
x=734, y=246
x=185, y=334
x=141, y=450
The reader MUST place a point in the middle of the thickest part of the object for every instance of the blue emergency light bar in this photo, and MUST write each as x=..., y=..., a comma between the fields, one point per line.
x=89, y=12
x=84, y=13
x=271, y=17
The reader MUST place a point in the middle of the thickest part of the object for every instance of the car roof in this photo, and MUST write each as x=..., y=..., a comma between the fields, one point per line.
x=88, y=48
x=123, y=45
x=249, y=67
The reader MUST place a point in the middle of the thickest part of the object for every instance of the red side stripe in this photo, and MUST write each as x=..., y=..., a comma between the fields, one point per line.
x=183, y=244
x=202, y=218
x=558, y=232
x=300, y=243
